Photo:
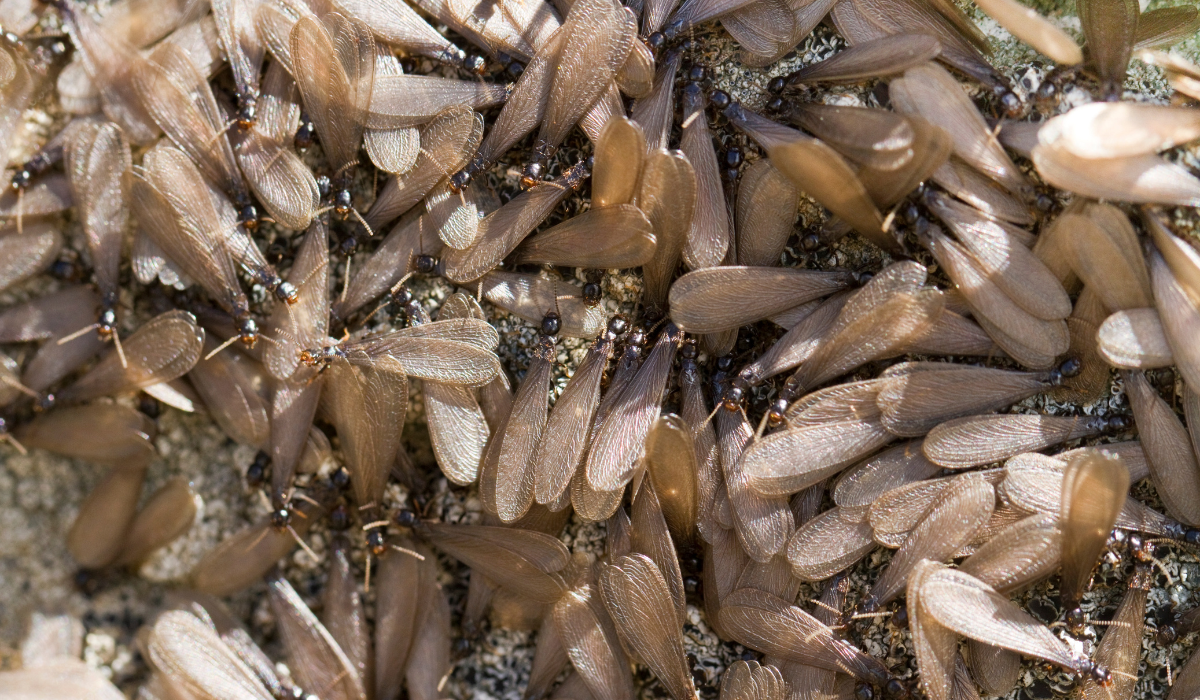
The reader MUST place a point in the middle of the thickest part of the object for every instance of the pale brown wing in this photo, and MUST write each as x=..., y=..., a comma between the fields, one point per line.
x=913, y=402
x=194, y=658
x=164, y=348
x=524, y=561
x=431, y=663
x=638, y=600
x=342, y=611
x=402, y=583
x=98, y=532
x=1095, y=487
x=400, y=101
x=242, y=46
x=650, y=536
x=763, y=523
x=929, y=91
x=973, y=609
x=831, y=542
x=592, y=644
x=871, y=138
x=977, y=440
x=318, y=660
x=1020, y=554
x=703, y=301
x=1120, y=651
x=1105, y=255
x=230, y=385
x=1145, y=179
x=96, y=161
x=750, y=680
x=399, y=24
x=786, y=462
x=24, y=255
x=279, y=179
x=166, y=515
x=618, y=162
x=935, y=646
x=886, y=55
x=983, y=193
x=655, y=111
x=529, y=296
x=1120, y=130
x=1110, y=28
x=667, y=196
x=671, y=464
x=366, y=405
x=708, y=237
x=1179, y=316
x=1034, y=29
x=766, y=210
x=504, y=229
x=616, y=236
x=1165, y=26
x=894, y=467
x=515, y=474
x=1168, y=449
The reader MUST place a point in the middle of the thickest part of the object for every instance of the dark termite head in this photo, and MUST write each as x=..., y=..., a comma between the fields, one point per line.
x=247, y=331
x=247, y=114
x=896, y=689
x=248, y=217
x=343, y=202
x=592, y=293
x=1010, y=104
x=406, y=518
x=475, y=64
x=863, y=691
x=281, y=518
x=1099, y=674
x=319, y=357
x=719, y=99
x=339, y=518
x=306, y=134
x=731, y=399
x=900, y=618
x=1066, y=369
x=256, y=473
x=776, y=86
x=551, y=323
x=636, y=337
x=656, y=41
x=1114, y=424
x=777, y=414
x=810, y=242
x=340, y=479
x=425, y=264
x=1075, y=619
x=616, y=326
x=460, y=179
x=532, y=174
x=377, y=541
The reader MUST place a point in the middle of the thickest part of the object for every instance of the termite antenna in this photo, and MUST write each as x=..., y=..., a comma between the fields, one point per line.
x=232, y=339
x=303, y=545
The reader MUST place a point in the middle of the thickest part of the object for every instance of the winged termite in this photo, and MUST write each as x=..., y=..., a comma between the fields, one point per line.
x=829, y=543
x=1110, y=29
x=766, y=210
x=531, y=566
x=649, y=535
x=167, y=514
x=173, y=206
x=696, y=309
x=950, y=522
x=1105, y=254
x=400, y=586
x=430, y=664
x=869, y=137
x=671, y=465
x=771, y=625
x=558, y=455
x=976, y=440
x=973, y=609
x=318, y=660
x=399, y=25
x=111, y=61
x=749, y=680
x=337, y=92
x=279, y=179
x=915, y=397
x=503, y=230
x=592, y=643
x=242, y=558
x=231, y=389
x=28, y=253
x=763, y=523
x=1031, y=340
x=1172, y=461
x=887, y=55
x=97, y=159
x=708, y=237
x=304, y=324
x=1142, y=178
x=164, y=348
x=98, y=533
x=842, y=426
x=599, y=37
x=667, y=196
x=180, y=101
x=924, y=86
x=528, y=296
x=814, y=168
x=524, y=427
x=983, y=193
x=1178, y=314
x=188, y=652
x=618, y=443
x=627, y=240
x=638, y=600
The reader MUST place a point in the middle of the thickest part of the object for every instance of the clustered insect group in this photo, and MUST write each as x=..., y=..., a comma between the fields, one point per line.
x=171, y=165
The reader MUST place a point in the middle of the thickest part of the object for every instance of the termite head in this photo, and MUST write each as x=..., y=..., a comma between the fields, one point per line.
x=340, y=479
x=775, y=104
x=247, y=115
x=616, y=326
x=719, y=99
x=248, y=217
x=776, y=86
x=532, y=175
x=281, y=518
x=377, y=541
x=460, y=179
x=896, y=689
x=1068, y=368
x=286, y=292
x=406, y=518
x=1075, y=620
x=343, y=203
x=106, y=324
x=339, y=517
x=21, y=179
x=777, y=413
x=731, y=399
x=248, y=331
x=256, y=473
x=656, y=41
x=1099, y=674
x=810, y=242
x=551, y=323
x=474, y=64
x=318, y=357
x=306, y=135
x=1115, y=424
x=900, y=618
x=592, y=293
x=425, y=264
x=1010, y=104
x=863, y=691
